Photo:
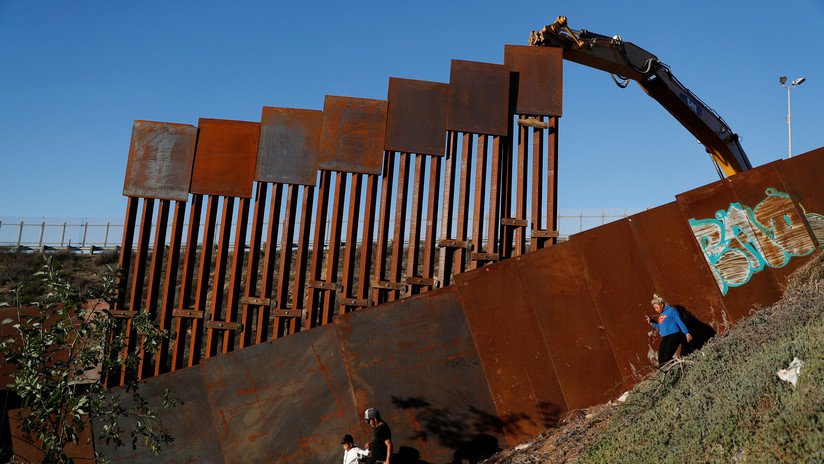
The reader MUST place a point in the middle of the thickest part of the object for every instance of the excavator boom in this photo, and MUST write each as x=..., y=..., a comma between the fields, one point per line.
x=628, y=61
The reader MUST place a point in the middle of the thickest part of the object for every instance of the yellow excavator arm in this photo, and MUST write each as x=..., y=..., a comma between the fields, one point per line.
x=626, y=61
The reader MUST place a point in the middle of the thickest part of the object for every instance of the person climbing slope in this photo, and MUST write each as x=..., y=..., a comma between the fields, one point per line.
x=671, y=328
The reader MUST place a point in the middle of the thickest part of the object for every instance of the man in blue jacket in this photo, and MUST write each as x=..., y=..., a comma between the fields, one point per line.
x=670, y=326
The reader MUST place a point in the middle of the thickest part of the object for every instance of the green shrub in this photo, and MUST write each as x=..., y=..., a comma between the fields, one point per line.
x=63, y=352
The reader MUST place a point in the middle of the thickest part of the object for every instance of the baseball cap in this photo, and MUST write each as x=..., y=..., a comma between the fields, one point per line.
x=370, y=413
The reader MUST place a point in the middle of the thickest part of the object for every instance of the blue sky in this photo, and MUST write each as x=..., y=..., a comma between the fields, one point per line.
x=76, y=74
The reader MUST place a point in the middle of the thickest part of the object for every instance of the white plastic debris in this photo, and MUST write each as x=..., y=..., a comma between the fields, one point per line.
x=623, y=397
x=790, y=374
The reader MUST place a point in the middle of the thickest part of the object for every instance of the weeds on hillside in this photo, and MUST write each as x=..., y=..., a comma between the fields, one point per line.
x=17, y=268
x=725, y=403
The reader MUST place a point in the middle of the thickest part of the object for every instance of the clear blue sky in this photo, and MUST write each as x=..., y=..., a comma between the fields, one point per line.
x=76, y=74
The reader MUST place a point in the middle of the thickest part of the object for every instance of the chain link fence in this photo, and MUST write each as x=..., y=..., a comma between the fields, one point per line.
x=88, y=235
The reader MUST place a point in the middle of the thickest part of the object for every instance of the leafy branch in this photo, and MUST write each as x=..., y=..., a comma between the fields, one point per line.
x=62, y=355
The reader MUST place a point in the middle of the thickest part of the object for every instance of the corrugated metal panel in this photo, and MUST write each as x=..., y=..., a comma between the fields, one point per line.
x=622, y=289
x=802, y=176
x=25, y=451
x=783, y=239
x=190, y=423
x=225, y=158
x=415, y=361
x=740, y=285
x=352, y=138
x=571, y=327
x=289, y=146
x=160, y=160
x=416, y=121
x=8, y=331
x=540, y=79
x=478, y=98
x=678, y=268
x=508, y=338
x=283, y=401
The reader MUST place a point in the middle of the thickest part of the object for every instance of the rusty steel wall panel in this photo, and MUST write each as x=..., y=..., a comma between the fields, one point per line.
x=478, y=98
x=160, y=160
x=416, y=119
x=352, y=136
x=225, y=158
x=699, y=207
x=424, y=376
x=519, y=370
x=289, y=145
x=781, y=234
x=8, y=331
x=282, y=401
x=534, y=327
x=540, y=79
x=677, y=266
x=571, y=327
x=25, y=451
x=621, y=290
x=190, y=423
x=802, y=177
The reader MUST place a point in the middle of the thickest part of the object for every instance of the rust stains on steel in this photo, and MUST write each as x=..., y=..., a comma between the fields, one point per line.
x=479, y=98
x=703, y=203
x=620, y=298
x=539, y=71
x=352, y=139
x=289, y=145
x=543, y=333
x=160, y=160
x=293, y=283
x=407, y=129
x=454, y=160
x=225, y=157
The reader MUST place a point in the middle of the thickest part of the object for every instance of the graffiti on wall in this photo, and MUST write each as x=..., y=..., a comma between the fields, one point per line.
x=741, y=241
x=816, y=222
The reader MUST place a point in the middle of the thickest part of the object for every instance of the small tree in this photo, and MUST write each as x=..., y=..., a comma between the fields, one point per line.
x=68, y=344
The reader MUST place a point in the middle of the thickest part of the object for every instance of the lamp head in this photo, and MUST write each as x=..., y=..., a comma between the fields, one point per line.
x=782, y=80
x=799, y=81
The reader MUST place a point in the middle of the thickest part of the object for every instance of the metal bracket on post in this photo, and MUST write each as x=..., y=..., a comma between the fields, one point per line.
x=223, y=325
x=386, y=285
x=190, y=313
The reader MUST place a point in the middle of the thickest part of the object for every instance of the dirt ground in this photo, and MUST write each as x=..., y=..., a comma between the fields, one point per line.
x=561, y=444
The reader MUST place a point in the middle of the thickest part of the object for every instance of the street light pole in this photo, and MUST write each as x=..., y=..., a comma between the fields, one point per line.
x=789, y=125
x=783, y=81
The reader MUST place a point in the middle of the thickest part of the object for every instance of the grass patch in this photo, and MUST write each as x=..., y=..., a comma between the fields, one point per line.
x=725, y=403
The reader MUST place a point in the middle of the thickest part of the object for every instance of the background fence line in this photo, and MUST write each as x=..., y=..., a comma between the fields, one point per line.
x=88, y=235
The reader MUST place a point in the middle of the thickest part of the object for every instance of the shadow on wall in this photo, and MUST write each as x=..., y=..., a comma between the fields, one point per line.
x=473, y=433
x=701, y=331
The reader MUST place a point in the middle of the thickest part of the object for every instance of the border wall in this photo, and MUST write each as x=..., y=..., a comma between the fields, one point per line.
x=511, y=347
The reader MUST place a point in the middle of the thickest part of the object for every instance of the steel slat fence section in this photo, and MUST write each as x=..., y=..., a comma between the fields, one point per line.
x=469, y=198
x=54, y=238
